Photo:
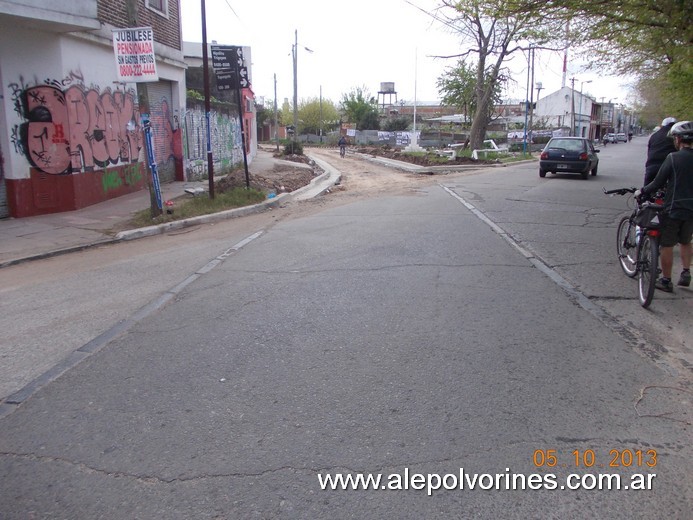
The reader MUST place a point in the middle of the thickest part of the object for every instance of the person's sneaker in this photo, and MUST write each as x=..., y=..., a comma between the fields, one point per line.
x=664, y=284
x=685, y=279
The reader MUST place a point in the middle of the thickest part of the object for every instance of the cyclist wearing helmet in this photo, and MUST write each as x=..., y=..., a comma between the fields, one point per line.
x=658, y=147
x=677, y=219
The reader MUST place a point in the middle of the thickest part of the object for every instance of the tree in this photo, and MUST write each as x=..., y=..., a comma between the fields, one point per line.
x=361, y=109
x=396, y=124
x=312, y=117
x=458, y=88
x=647, y=38
x=492, y=35
x=265, y=113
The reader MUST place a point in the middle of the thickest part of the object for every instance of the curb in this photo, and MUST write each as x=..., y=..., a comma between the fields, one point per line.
x=435, y=170
x=317, y=187
x=58, y=252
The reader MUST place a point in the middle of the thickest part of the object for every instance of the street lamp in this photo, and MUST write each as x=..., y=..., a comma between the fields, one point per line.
x=582, y=83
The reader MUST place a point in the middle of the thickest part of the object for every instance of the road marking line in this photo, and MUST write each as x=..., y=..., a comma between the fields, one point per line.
x=537, y=262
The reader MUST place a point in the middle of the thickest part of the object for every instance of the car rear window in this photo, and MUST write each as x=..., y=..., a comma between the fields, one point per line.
x=571, y=145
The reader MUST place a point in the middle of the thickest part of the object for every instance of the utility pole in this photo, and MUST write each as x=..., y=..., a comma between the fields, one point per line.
x=208, y=109
x=572, y=109
x=529, y=66
x=295, y=54
x=321, y=114
x=276, y=122
x=531, y=99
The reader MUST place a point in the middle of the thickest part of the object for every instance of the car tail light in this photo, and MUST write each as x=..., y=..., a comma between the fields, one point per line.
x=583, y=156
x=544, y=155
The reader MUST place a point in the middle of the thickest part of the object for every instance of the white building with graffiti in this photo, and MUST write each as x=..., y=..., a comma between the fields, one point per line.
x=70, y=132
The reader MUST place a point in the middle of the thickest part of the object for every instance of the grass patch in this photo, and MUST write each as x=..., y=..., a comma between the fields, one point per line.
x=188, y=207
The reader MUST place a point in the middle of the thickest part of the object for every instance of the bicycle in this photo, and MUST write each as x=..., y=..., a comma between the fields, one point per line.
x=342, y=151
x=637, y=244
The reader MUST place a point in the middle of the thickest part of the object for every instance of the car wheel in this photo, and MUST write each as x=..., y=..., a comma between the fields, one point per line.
x=594, y=170
x=542, y=173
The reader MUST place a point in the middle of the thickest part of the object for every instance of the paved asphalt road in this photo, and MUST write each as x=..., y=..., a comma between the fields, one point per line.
x=392, y=335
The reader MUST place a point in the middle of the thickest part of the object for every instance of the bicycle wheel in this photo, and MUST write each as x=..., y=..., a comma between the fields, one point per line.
x=627, y=247
x=648, y=256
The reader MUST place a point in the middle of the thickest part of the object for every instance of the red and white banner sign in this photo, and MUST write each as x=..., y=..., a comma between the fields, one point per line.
x=134, y=52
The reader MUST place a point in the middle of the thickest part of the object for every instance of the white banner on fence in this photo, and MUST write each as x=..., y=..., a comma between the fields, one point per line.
x=134, y=53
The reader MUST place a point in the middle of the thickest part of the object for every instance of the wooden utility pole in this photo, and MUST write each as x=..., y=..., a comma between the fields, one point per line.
x=208, y=109
x=276, y=122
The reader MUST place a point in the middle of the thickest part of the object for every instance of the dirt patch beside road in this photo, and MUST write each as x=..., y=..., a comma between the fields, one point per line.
x=363, y=178
x=279, y=179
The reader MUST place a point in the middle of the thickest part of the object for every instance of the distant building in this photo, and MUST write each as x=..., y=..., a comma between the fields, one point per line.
x=567, y=108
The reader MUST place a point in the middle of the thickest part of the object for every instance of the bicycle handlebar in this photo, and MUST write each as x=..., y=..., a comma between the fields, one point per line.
x=620, y=191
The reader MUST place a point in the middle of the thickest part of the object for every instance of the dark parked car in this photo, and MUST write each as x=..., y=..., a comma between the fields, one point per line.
x=569, y=154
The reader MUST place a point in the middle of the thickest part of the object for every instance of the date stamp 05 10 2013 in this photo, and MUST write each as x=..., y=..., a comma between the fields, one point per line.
x=617, y=458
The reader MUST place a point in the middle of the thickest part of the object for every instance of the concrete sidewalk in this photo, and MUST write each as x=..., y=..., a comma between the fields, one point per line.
x=43, y=236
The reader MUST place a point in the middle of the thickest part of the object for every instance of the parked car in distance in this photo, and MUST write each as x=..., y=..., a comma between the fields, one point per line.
x=622, y=138
x=569, y=155
x=609, y=138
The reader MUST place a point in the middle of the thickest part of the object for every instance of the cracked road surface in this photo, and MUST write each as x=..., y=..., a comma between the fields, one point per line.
x=389, y=333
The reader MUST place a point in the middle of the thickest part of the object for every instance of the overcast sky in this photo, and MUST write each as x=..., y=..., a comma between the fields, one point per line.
x=360, y=43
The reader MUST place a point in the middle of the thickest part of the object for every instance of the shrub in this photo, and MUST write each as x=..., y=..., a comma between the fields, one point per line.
x=293, y=148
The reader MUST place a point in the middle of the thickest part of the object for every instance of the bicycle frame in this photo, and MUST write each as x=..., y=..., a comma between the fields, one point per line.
x=644, y=266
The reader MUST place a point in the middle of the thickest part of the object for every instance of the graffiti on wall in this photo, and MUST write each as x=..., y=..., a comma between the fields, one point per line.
x=70, y=128
x=227, y=148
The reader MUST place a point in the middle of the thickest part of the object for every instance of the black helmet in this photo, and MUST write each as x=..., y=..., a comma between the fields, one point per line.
x=682, y=129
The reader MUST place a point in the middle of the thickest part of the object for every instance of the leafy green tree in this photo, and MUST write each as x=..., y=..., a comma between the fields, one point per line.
x=647, y=38
x=265, y=113
x=396, y=124
x=361, y=109
x=314, y=115
x=458, y=88
x=287, y=114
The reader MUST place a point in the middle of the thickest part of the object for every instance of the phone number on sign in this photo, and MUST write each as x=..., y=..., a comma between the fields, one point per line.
x=617, y=458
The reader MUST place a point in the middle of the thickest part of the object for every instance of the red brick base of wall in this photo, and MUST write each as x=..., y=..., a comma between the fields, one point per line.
x=43, y=193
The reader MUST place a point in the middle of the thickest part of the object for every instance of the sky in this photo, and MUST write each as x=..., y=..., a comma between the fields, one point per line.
x=361, y=44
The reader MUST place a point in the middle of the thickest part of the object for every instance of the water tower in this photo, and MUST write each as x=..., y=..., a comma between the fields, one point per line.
x=387, y=90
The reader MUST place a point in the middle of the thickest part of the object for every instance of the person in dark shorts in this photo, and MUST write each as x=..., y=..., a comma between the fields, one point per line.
x=676, y=174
